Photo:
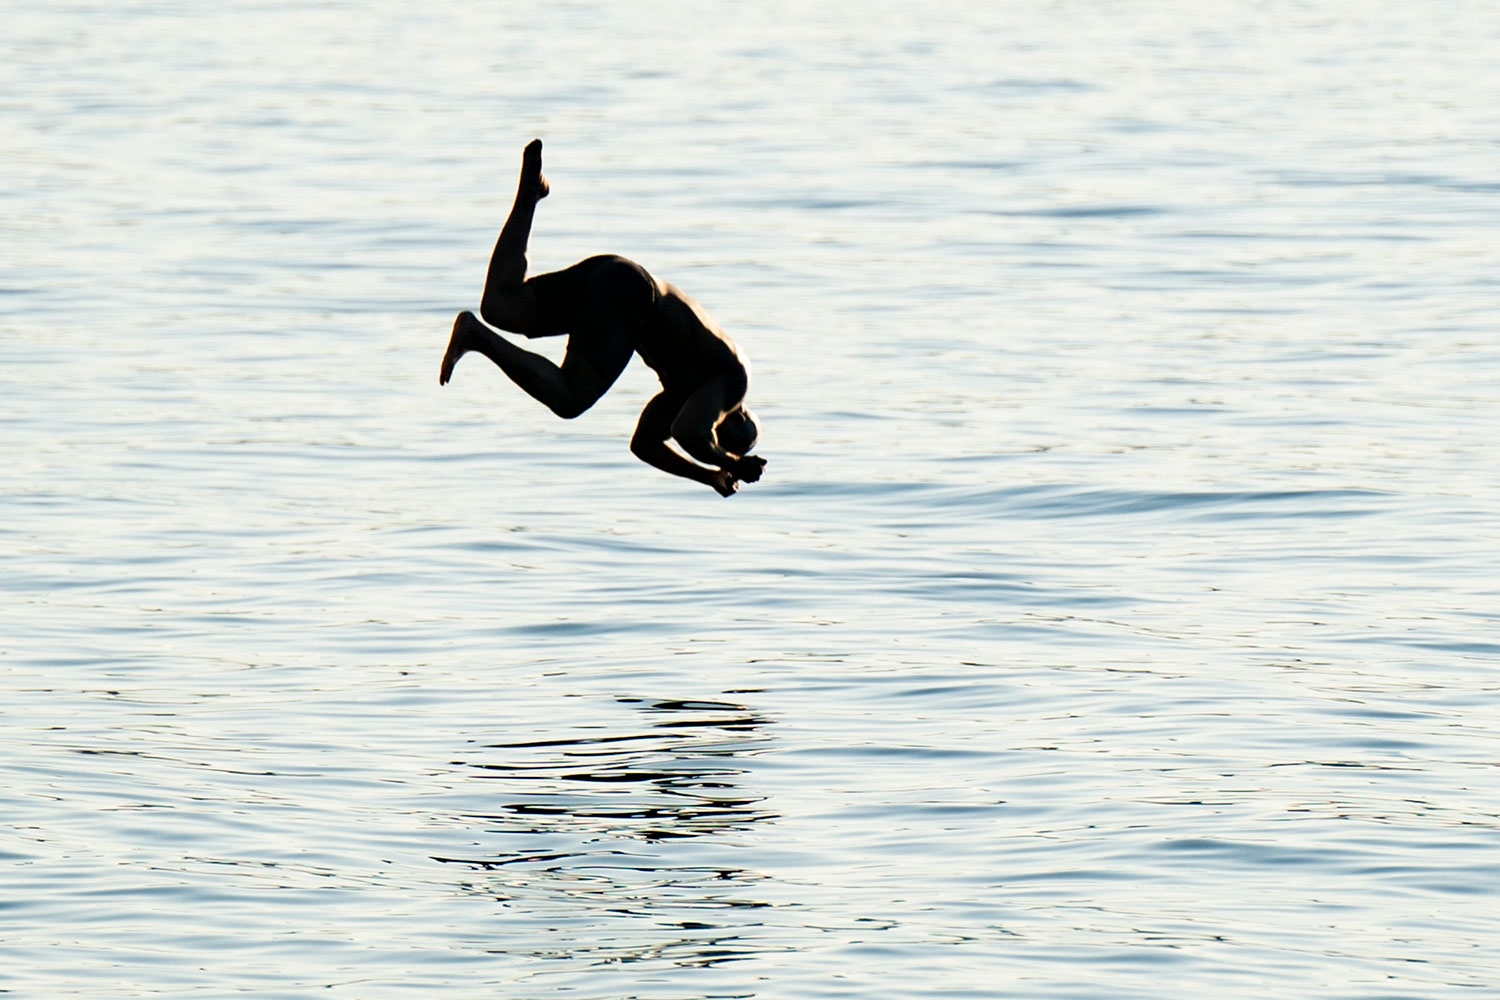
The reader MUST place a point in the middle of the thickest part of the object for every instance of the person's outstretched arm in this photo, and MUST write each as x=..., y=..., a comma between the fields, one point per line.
x=651, y=445
x=695, y=427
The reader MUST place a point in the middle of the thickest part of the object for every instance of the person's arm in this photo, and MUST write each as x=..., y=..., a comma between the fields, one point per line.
x=651, y=445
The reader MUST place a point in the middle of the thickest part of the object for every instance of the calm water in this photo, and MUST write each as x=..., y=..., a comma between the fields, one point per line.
x=1118, y=618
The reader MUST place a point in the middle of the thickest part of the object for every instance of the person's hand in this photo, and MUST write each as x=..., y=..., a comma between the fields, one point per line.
x=724, y=482
x=749, y=468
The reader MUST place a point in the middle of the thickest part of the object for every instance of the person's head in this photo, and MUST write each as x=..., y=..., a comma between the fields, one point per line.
x=738, y=431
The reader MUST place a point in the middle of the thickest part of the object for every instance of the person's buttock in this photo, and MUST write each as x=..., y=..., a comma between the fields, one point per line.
x=617, y=292
x=594, y=296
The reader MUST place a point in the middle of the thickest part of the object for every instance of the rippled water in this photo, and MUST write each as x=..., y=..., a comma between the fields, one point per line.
x=1118, y=617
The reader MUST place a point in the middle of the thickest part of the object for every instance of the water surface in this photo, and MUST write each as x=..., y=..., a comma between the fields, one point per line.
x=1117, y=617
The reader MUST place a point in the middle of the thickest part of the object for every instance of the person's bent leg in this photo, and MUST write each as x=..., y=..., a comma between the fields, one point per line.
x=507, y=303
x=591, y=366
x=541, y=379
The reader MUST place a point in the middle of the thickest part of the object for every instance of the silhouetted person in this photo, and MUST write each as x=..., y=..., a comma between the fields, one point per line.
x=610, y=308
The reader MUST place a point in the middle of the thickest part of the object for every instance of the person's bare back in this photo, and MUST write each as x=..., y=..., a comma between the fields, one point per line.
x=610, y=308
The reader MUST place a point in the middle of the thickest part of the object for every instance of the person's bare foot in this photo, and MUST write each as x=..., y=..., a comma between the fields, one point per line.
x=459, y=344
x=531, y=170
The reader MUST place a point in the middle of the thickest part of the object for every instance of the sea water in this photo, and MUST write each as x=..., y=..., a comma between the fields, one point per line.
x=1118, y=616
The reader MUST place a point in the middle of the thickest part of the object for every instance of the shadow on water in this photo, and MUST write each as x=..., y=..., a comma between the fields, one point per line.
x=618, y=840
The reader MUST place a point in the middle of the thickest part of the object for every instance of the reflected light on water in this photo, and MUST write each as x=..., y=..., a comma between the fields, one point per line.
x=1117, y=616
x=592, y=823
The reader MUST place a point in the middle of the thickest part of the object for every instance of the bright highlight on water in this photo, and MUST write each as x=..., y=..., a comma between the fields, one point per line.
x=1117, y=616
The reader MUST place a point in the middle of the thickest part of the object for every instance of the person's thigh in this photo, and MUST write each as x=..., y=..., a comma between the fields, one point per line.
x=594, y=360
x=548, y=303
x=594, y=296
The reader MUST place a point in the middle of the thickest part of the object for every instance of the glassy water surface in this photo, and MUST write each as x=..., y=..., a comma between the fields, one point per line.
x=1117, y=617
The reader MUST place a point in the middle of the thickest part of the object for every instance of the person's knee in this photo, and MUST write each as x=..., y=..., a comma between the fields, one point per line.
x=510, y=309
x=569, y=406
x=497, y=310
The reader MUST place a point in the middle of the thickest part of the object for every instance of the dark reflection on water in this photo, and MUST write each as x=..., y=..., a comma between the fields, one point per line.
x=603, y=838
x=677, y=779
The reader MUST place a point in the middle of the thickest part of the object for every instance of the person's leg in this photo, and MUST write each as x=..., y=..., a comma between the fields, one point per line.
x=547, y=300
x=591, y=365
x=603, y=302
x=507, y=303
x=533, y=308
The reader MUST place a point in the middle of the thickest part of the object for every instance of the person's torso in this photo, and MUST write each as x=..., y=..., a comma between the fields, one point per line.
x=683, y=344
